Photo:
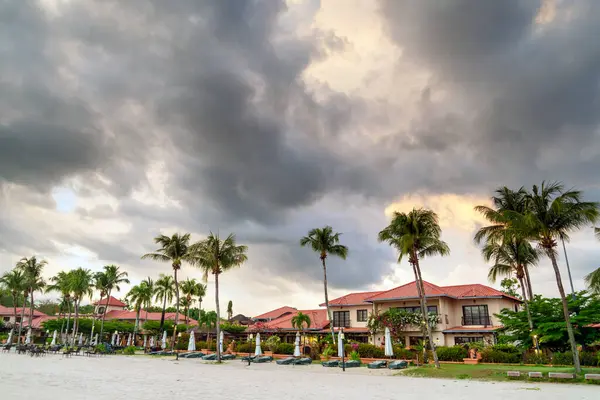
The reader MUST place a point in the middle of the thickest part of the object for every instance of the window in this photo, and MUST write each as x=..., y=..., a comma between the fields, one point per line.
x=417, y=309
x=361, y=315
x=476, y=315
x=6, y=319
x=341, y=319
x=467, y=339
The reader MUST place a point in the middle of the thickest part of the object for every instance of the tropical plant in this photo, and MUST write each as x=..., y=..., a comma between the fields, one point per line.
x=328, y=352
x=112, y=279
x=82, y=284
x=32, y=270
x=355, y=356
x=592, y=280
x=230, y=309
x=301, y=322
x=273, y=343
x=190, y=289
x=174, y=250
x=200, y=292
x=552, y=214
x=164, y=290
x=510, y=287
x=62, y=283
x=139, y=296
x=215, y=256
x=209, y=320
x=325, y=242
x=417, y=235
x=14, y=282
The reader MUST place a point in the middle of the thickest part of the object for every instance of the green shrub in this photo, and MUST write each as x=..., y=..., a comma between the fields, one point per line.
x=232, y=328
x=101, y=348
x=589, y=359
x=328, y=352
x=496, y=356
x=273, y=343
x=200, y=345
x=212, y=345
x=537, y=359
x=454, y=353
x=507, y=348
x=245, y=347
x=129, y=350
x=565, y=358
x=285, y=348
x=354, y=356
x=370, y=351
x=404, y=354
x=183, y=342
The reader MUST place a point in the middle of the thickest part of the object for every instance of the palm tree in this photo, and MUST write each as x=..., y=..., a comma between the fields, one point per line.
x=417, y=235
x=592, y=280
x=230, y=309
x=174, y=250
x=512, y=256
x=62, y=284
x=164, y=289
x=200, y=292
x=208, y=319
x=139, y=296
x=324, y=242
x=189, y=288
x=82, y=284
x=111, y=280
x=215, y=256
x=552, y=214
x=299, y=321
x=32, y=269
x=14, y=282
x=152, y=289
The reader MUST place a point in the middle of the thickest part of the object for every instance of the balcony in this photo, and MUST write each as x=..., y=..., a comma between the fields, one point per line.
x=484, y=320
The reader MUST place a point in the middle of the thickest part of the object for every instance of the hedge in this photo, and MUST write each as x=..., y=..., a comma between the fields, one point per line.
x=454, y=353
x=403, y=353
x=586, y=358
x=491, y=355
x=285, y=348
x=538, y=359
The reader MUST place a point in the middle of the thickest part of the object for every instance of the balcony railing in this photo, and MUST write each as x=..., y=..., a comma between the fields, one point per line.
x=480, y=320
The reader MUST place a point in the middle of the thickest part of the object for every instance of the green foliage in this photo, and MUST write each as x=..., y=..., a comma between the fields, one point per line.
x=101, y=348
x=273, y=343
x=565, y=358
x=370, y=351
x=183, y=341
x=404, y=354
x=129, y=350
x=232, y=328
x=549, y=323
x=511, y=287
x=536, y=358
x=354, y=356
x=285, y=348
x=491, y=355
x=454, y=353
x=397, y=321
x=247, y=347
x=328, y=352
x=85, y=325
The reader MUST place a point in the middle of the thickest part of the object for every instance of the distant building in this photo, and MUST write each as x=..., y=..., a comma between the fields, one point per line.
x=110, y=304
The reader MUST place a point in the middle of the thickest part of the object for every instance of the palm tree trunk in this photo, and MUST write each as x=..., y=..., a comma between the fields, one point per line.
x=327, y=299
x=15, y=299
x=22, y=317
x=528, y=279
x=162, y=317
x=137, y=321
x=218, y=315
x=102, y=320
x=76, y=321
x=176, y=310
x=426, y=314
x=526, y=301
x=565, y=305
x=31, y=309
x=68, y=319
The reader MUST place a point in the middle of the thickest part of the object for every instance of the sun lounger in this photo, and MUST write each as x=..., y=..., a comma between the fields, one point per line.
x=377, y=364
x=331, y=363
x=245, y=358
x=227, y=356
x=350, y=364
x=302, y=361
x=285, y=361
x=210, y=357
x=262, y=359
x=399, y=364
x=192, y=355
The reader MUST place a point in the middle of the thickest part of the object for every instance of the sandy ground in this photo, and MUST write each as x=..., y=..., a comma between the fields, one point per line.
x=143, y=377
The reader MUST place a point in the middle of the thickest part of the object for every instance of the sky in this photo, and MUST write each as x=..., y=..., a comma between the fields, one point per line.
x=120, y=121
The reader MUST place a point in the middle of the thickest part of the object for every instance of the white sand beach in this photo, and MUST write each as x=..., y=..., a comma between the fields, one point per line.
x=143, y=377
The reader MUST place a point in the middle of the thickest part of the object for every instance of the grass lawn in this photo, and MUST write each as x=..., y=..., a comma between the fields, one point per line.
x=489, y=372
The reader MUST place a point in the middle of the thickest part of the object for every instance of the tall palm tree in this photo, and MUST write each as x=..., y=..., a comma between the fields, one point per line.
x=512, y=256
x=324, y=242
x=301, y=322
x=592, y=280
x=230, y=309
x=417, y=235
x=32, y=269
x=174, y=250
x=209, y=320
x=552, y=214
x=61, y=283
x=215, y=256
x=112, y=279
x=82, y=284
x=152, y=289
x=189, y=288
x=200, y=292
x=139, y=296
x=14, y=282
x=164, y=289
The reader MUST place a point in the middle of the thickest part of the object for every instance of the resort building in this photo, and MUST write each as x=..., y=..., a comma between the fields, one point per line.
x=110, y=304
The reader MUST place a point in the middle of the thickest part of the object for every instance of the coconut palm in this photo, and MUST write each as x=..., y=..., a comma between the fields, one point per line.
x=112, y=279
x=215, y=256
x=209, y=320
x=32, y=269
x=200, y=293
x=152, y=289
x=325, y=242
x=14, y=282
x=62, y=283
x=511, y=257
x=175, y=250
x=301, y=322
x=417, y=235
x=230, y=309
x=82, y=285
x=552, y=214
x=140, y=295
x=164, y=289
x=592, y=280
x=189, y=288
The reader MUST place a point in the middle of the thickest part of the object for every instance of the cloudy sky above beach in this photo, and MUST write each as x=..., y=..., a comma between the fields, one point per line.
x=120, y=120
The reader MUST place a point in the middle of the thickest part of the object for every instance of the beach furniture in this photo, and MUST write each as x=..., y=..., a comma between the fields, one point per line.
x=398, y=364
x=377, y=364
x=227, y=356
x=285, y=361
x=302, y=361
x=262, y=359
x=350, y=364
x=331, y=363
x=210, y=357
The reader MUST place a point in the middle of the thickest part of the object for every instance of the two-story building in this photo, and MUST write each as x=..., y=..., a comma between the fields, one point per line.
x=466, y=312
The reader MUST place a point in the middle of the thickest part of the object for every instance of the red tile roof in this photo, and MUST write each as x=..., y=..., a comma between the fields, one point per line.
x=126, y=315
x=9, y=311
x=111, y=302
x=318, y=321
x=36, y=322
x=278, y=312
x=597, y=326
x=352, y=299
x=409, y=290
x=470, y=329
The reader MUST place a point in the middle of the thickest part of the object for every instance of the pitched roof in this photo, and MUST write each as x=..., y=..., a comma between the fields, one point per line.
x=352, y=299
x=9, y=311
x=318, y=321
x=278, y=312
x=36, y=322
x=409, y=290
x=110, y=301
x=126, y=315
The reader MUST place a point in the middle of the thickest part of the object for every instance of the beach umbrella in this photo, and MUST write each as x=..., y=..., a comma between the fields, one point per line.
x=297, y=345
x=129, y=340
x=80, y=339
x=389, y=350
x=258, y=350
x=152, y=341
x=113, y=340
x=340, y=346
x=96, y=340
x=145, y=340
x=164, y=340
x=28, y=338
x=53, y=339
x=118, y=339
x=192, y=342
x=221, y=342
x=10, y=335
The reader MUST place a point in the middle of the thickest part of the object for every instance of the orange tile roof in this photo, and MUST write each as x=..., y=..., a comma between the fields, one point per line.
x=36, y=322
x=352, y=299
x=278, y=312
x=110, y=301
x=597, y=326
x=409, y=290
x=318, y=321
x=9, y=311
